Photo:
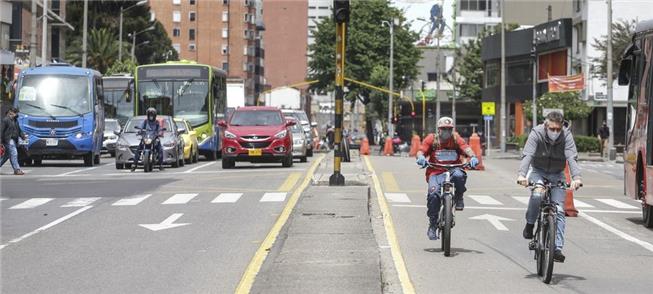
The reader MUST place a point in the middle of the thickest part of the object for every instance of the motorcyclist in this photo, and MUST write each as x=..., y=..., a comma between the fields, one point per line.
x=548, y=148
x=445, y=147
x=150, y=126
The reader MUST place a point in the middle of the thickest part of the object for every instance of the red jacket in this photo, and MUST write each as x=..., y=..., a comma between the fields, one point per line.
x=456, y=145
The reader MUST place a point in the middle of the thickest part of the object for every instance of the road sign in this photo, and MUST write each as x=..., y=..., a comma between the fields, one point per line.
x=488, y=117
x=546, y=111
x=487, y=108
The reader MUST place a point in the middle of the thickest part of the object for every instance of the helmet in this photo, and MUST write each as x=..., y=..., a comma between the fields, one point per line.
x=151, y=112
x=445, y=122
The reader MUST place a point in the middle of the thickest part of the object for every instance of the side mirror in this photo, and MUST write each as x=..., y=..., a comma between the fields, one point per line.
x=181, y=131
x=624, y=71
x=222, y=123
x=192, y=133
x=116, y=132
x=290, y=123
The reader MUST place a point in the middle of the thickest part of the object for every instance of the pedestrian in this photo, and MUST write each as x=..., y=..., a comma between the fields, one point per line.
x=604, y=134
x=10, y=133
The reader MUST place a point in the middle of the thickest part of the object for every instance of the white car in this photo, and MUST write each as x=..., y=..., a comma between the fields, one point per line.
x=299, y=143
x=111, y=127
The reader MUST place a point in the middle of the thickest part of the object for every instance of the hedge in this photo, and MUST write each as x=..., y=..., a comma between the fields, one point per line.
x=583, y=143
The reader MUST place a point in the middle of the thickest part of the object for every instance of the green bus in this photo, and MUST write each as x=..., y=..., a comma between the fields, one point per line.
x=185, y=89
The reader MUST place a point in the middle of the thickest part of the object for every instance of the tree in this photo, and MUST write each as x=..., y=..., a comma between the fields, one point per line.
x=570, y=102
x=102, y=50
x=125, y=66
x=367, y=53
x=622, y=34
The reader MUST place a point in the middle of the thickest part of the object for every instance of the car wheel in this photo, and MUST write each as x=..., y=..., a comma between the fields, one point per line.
x=287, y=162
x=303, y=159
x=38, y=161
x=309, y=152
x=196, y=157
x=228, y=163
x=175, y=164
x=113, y=154
x=182, y=162
x=120, y=166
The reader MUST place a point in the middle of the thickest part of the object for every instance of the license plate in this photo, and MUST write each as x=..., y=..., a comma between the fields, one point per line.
x=51, y=142
x=255, y=152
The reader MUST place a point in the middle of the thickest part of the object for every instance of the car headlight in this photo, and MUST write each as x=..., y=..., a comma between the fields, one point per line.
x=112, y=137
x=148, y=141
x=229, y=135
x=281, y=134
x=170, y=144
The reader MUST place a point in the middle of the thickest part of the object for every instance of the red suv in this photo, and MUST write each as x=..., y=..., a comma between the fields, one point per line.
x=256, y=134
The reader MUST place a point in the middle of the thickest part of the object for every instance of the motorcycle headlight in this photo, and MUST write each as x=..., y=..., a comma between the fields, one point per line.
x=148, y=141
x=281, y=134
x=229, y=135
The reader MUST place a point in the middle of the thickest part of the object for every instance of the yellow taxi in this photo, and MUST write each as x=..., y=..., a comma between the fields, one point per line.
x=191, y=151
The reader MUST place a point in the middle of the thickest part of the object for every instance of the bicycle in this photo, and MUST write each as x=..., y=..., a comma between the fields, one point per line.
x=447, y=190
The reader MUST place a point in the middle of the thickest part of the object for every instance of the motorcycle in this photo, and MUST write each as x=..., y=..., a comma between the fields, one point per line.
x=150, y=153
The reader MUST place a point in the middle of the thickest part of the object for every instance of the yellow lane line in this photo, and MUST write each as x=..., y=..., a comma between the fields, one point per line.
x=391, y=235
x=246, y=282
x=290, y=182
x=389, y=182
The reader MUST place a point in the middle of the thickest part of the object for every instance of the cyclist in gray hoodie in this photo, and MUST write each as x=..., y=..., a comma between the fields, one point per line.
x=548, y=148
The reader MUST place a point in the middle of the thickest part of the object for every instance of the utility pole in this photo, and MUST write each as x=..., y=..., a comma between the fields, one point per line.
x=85, y=34
x=391, y=24
x=341, y=16
x=503, y=81
x=610, y=110
x=534, y=101
x=32, y=37
x=437, y=80
x=44, y=34
x=120, y=36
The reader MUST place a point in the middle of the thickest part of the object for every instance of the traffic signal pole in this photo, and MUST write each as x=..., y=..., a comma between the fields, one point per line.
x=341, y=11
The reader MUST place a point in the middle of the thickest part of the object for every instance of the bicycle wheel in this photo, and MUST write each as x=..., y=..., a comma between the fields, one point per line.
x=447, y=222
x=539, y=256
x=549, y=235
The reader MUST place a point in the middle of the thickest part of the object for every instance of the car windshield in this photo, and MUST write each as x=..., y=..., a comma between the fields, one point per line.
x=54, y=95
x=297, y=128
x=111, y=125
x=185, y=99
x=256, y=118
x=134, y=123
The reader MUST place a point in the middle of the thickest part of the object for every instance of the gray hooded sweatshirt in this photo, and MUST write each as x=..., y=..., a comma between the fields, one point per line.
x=549, y=156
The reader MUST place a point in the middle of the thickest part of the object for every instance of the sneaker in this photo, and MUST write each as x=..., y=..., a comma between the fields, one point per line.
x=460, y=204
x=432, y=233
x=133, y=167
x=528, y=231
x=558, y=256
x=18, y=172
x=161, y=168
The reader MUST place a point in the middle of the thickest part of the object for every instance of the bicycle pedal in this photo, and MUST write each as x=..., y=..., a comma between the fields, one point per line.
x=532, y=245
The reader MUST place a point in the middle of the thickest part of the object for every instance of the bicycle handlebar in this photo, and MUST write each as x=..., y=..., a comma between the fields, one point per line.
x=562, y=185
x=448, y=166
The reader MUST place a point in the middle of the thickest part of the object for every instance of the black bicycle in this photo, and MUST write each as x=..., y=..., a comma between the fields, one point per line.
x=447, y=217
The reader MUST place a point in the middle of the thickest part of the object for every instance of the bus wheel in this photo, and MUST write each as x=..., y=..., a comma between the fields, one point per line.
x=212, y=156
x=647, y=212
x=96, y=159
x=88, y=159
x=38, y=161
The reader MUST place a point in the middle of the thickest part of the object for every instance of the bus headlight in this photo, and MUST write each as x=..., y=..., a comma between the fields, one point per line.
x=204, y=136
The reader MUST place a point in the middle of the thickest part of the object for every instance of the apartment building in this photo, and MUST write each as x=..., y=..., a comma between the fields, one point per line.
x=286, y=42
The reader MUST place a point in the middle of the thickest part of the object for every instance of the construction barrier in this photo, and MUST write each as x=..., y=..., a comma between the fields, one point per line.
x=365, y=147
x=570, y=208
x=388, y=149
x=475, y=143
x=415, y=143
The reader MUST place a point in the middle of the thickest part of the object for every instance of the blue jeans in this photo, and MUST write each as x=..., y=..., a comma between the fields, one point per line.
x=557, y=196
x=11, y=153
x=458, y=178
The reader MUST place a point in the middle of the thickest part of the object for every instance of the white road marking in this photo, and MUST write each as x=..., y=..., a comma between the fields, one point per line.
x=81, y=202
x=167, y=223
x=180, y=198
x=617, y=203
x=648, y=246
x=397, y=197
x=3, y=199
x=581, y=204
x=227, y=198
x=273, y=197
x=485, y=200
x=133, y=200
x=77, y=171
x=522, y=199
x=494, y=220
x=198, y=167
x=45, y=227
x=520, y=209
x=31, y=203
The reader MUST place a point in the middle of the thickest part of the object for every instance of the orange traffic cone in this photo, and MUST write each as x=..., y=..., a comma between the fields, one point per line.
x=365, y=147
x=388, y=149
x=415, y=143
x=570, y=208
x=475, y=143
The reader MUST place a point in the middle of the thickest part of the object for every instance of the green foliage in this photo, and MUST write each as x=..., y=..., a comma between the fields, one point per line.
x=622, y=34
x=367, y=53
x=587, y=144
x=125, y=66
x=569, y=102
x=519, y=140
x=102, y=50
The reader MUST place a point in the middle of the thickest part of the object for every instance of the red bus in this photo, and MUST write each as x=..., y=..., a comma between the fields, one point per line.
x=636, y=71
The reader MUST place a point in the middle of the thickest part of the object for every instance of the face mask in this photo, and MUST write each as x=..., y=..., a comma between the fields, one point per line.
x=150, y=118
x=552, y=135
x=445, y=134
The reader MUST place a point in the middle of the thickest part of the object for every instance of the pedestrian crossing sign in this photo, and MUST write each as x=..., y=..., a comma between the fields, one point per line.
x=487, y=108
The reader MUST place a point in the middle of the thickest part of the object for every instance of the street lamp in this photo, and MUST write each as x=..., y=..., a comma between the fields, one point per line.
x=392, y=34
x=139, y=3
x=133, y=36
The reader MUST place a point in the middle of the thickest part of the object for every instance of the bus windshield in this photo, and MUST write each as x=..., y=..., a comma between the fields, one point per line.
x=186, y=99
x=50, y=95
x=116, y=104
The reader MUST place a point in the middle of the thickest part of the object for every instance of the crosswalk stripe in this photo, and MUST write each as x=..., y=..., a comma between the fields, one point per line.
x=180, y=198
x=485, y=200
x=81, y=202
x=31, y=203
x=273, y=197
x=133, y=200
x=616, y=203
x=397, y=197
x=227, y=198
x=582, y=204
x=522, y=199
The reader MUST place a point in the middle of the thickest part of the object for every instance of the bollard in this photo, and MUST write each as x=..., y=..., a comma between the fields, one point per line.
x=365, y=147
x=415, y=143
x=570, y=208
x=388, y=148
x=475, y=143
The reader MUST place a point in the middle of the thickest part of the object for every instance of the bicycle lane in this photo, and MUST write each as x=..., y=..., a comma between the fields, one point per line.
x=488, y=258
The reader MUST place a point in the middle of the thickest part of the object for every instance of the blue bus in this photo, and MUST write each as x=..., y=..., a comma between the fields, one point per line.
x=62, y=112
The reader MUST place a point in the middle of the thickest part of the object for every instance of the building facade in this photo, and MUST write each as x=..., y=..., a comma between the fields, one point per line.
x=286, y=42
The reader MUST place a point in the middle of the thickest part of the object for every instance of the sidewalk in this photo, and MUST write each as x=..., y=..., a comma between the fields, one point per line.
x=328, y=244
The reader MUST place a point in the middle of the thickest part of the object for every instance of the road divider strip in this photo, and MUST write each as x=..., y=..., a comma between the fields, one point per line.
x=400, y=265
x=247, y=281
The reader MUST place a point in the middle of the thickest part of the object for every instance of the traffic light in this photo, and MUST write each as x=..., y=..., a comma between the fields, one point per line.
x=423, y=86
x=341, y=11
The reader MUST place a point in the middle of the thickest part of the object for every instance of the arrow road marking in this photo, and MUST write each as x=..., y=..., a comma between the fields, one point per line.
x=494, y=220
x=168, y=223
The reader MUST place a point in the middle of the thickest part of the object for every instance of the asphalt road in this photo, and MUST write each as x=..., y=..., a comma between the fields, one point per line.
x=66, y=228
x=607, y=248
